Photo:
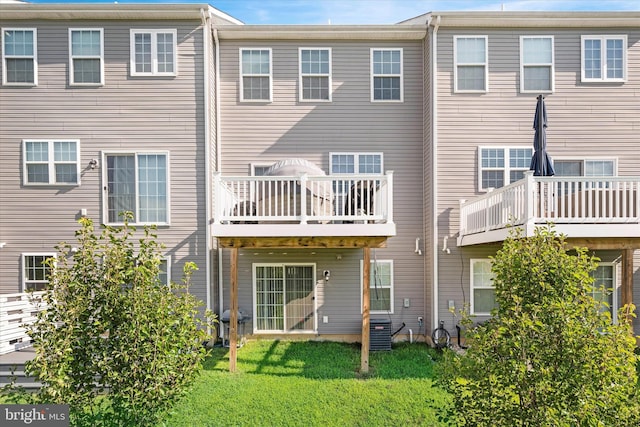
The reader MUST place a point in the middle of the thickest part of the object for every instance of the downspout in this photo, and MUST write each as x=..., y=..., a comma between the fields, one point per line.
x=434, y=162
x=216, y=42
x=206, y=35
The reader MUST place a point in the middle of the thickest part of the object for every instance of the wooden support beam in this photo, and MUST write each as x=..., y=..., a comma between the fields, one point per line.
x=627, y=277
x=605, y=243
x=366, y=269
x=233, y=317
x=303, y=242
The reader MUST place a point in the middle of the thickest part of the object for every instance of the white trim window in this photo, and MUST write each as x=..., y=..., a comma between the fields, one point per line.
x=351, y=164
x=315, y=74
x=153, y=53
x=470, y=68
x=36, y=272
x=605, y=288
x=537, y=66
x=585, y=167
x=483, y=292
x=604, y=58
x=500, y=166
x=86, y=56
x=19, y=56
x=255, y=75
x=137, y=183
x=51, y=162
x=164, y=270
x=381, y=299
x=386, y=75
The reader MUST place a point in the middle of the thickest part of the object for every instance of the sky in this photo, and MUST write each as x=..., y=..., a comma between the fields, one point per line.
x=338, y=12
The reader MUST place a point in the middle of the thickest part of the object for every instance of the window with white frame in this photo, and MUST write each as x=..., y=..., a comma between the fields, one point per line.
x=500, y=166
x=36, y=271
x=604, y=58
x=585, y=167
x=255, y=75
x=51, y=162
x=380, y=286
x=386, y=75
x=164, y=271
x=19, y=56
x=605, y=288
x=137, y=183
x=483, y=293
x=153, y=52
x=86, y=60
x=315, y=74
x=471, y=58
x=536, y=64
x=351, y=164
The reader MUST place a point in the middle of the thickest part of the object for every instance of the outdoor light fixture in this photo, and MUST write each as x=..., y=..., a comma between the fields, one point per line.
x=327, y=274
x=93, y=163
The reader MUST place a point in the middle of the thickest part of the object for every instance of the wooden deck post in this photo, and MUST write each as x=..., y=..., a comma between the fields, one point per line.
x=366, y=268
x=627, y=277
x=233, y=317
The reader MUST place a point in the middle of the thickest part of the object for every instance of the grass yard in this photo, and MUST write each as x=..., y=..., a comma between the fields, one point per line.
x=290, y=383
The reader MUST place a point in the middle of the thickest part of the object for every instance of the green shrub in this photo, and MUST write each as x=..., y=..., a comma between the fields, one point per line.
x=550, y=355
x=115, y=343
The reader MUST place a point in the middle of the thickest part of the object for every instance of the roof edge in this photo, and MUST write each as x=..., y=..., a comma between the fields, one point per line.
x=534, y=19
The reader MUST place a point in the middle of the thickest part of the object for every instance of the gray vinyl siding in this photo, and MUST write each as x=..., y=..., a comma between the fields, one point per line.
x=127, y=113
x=267, y=132
x=585, y=120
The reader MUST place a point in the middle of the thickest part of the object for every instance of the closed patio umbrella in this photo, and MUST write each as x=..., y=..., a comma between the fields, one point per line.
x=541, y=163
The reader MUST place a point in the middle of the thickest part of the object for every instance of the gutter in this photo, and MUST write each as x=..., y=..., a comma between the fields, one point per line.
x=218, y=142
x=434, y=164
x=206, y=35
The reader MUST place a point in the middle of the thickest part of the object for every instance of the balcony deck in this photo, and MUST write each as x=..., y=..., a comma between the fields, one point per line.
x=579, y=207
x=338, y=207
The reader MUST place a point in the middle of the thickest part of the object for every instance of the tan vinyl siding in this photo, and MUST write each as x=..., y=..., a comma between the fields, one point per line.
x=127, y=113
x=268, y=132
x=585, y=120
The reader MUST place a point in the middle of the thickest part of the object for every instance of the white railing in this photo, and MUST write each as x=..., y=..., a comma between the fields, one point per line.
x=325, y=199
x=561, y=200
x=17, y=310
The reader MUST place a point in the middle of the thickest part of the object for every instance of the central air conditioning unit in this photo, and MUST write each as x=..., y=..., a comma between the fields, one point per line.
x=379, y=334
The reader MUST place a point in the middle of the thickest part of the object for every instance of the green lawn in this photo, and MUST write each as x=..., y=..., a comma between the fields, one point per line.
x=289, y=383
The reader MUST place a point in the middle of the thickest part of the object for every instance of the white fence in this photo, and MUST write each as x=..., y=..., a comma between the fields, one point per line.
x=17, y=310
x=561, y=200
x=325, y=199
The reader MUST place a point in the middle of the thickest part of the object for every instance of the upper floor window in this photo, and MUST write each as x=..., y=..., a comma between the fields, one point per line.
x=86, y=61
x=536, y=64
x=153, y=52
x=137, y=183
x=604, y=58
x=483, y=292
x=51, y=162
x=315, y=74
x=356, y=163
x=36, y=271
x=500, y=166
x=470, y=68
x=255, y=75
x=19, y=53
x=386, y=75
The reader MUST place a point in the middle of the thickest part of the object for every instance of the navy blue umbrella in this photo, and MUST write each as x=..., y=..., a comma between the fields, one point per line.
x=541, y=163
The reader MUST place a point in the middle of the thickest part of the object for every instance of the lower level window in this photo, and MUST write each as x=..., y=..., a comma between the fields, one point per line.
x=284, y=297
x=604, y=288
x=483, y=293
x=36, y=271
x=381, y=286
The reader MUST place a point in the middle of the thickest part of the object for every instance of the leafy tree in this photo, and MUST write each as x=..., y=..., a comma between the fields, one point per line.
x=551, y=355
x=115, y=343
